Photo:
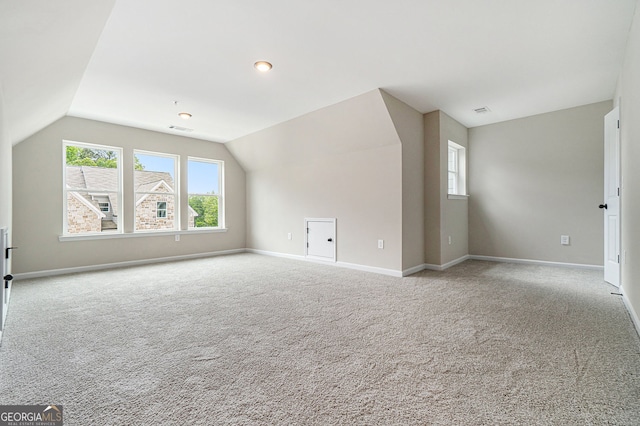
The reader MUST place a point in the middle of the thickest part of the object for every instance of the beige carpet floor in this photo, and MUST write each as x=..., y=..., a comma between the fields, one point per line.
x=254, y=340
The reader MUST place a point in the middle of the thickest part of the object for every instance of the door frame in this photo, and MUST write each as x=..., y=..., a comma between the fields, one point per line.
x=331, y=220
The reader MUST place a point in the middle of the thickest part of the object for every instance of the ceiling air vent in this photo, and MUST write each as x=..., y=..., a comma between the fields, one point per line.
x=482, y=110
x=182, y=129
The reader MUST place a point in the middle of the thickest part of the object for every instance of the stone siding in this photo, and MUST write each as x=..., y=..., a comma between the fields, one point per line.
x=147, y=213
x=80, y=218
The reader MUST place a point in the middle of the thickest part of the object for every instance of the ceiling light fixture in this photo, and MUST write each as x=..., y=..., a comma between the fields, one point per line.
x=263, y=66
x=184, y=115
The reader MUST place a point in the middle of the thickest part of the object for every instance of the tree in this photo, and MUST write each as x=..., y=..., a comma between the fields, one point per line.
x=77, y=156
x=207, y=208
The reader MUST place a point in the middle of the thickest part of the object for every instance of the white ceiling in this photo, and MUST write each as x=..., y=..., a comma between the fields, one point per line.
x=517, y=57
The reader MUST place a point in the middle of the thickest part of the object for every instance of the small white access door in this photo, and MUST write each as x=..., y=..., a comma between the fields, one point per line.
x=611, y=204
x=320, y=241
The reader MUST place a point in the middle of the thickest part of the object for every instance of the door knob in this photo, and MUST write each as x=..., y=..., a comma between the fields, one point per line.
x=603, y=206
x=330, y=239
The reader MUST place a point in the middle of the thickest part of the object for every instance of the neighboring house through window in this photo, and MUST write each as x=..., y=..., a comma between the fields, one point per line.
x=92, y=188
x=205, y=188
x=456, y=169
x=155, y=187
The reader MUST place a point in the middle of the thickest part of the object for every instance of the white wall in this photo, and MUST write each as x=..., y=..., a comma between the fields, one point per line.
x=536, y=178
x=628, y=98
x=38, y=199
x=342, y=161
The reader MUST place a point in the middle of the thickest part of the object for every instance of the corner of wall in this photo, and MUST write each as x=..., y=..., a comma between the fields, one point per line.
x=432, y=199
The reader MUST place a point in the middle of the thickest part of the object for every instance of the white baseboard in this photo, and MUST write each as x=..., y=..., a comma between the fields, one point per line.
x=433, y=267
x=535, y=262
x=64, y=271
x=358, y=267
x=374, y=269
x=276, y=254
x=413, y=270
x=632, y=313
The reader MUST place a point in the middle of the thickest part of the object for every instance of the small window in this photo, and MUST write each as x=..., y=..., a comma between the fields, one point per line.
x=104, y=207
x=456, y=170
x=161, y=209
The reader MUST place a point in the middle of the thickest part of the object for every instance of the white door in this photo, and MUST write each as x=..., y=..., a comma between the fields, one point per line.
x=321, y=239
x=4, y=270
x=611, y=205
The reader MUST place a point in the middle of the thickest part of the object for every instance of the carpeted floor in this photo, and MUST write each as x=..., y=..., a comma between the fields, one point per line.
x=255, y=340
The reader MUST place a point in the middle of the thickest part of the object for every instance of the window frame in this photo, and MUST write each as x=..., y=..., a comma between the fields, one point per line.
x=66, y=190
x=220, y=195
x=175, y=193
x=457, y=169
x=161, y=209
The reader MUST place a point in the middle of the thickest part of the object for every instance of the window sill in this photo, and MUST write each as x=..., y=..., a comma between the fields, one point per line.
x=457, y=197
x=85, y=237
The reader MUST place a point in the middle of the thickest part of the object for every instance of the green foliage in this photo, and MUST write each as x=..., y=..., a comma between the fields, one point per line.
x=77, y=156
x=207, y=208
x=137, y=164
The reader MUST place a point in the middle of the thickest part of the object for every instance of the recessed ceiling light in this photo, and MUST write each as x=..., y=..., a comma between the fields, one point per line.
x=263, y=66
x=184, y=115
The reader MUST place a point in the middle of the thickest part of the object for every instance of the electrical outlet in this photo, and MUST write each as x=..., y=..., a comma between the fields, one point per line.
x=380, y=244
x=289, y=236
x=449, y=239
x=564, y=240
x=177, y=237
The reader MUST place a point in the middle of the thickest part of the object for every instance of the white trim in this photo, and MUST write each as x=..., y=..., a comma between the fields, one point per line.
x=276, y=254
x=365, y=268
x=414, y=270
x=432, y=267
x=109, y=235
x=536, y=262
x=457, y=197
x=632, y=313
x=455, y=262
x=64, y=271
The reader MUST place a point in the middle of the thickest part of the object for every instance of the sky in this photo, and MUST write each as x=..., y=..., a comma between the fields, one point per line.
x=203, y=176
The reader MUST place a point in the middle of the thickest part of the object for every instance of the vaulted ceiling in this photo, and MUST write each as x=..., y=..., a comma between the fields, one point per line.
x=127, y=61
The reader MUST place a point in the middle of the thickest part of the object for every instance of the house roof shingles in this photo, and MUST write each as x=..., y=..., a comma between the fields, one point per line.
x=89, y=179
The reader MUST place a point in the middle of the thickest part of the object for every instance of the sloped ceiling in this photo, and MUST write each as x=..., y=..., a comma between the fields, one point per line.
x=45, y=47
x=518, y=58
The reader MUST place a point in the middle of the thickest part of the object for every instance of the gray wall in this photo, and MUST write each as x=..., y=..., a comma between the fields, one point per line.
x=628, y=97
x=342, y=161
x=38, y=200
x=534, y=179
x=444, y=217
x=409, y=125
